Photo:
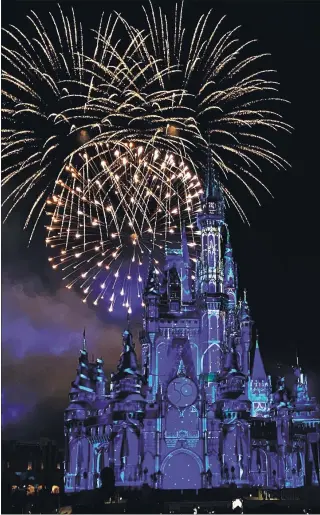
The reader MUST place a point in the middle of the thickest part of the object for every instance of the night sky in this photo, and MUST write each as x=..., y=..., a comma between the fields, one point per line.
x=278, y=255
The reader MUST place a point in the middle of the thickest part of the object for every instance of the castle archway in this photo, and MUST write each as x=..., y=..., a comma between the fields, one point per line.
x=181, y=469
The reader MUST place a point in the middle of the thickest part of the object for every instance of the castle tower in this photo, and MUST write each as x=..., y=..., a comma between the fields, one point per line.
x=127, y=409
x=81, y=399
x=212, y=300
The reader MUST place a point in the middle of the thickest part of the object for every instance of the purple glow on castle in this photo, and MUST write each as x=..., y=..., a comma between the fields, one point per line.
x=200, y=413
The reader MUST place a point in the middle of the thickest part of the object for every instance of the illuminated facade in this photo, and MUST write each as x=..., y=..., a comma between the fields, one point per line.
x=201, y=412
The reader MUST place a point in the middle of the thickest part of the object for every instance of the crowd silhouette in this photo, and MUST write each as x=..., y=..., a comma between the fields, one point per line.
x=108, y=499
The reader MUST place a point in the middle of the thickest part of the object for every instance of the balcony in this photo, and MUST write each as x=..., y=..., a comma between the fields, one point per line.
x=232, y=386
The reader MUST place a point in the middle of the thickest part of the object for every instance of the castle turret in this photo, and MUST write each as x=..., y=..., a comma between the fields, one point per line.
x=81, y=399
x=259, y=386
x=83, y=387
x=302, y=402
x=128, y=379
x=127, y=407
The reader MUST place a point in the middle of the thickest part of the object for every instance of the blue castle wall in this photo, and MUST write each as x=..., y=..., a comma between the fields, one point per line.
x=199, y=414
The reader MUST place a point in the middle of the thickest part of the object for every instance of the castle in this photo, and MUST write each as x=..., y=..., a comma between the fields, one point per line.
x=201, y=412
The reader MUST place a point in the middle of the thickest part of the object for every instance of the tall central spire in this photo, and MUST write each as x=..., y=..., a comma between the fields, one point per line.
x=84, y=341
x=210, y=170
x=212, y=184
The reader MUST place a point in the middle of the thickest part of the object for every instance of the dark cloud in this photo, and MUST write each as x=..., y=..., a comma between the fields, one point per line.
x=41, y=337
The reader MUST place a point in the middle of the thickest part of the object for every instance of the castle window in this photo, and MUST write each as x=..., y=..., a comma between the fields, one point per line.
x=42, y=465
x=29, y=465
x=58, y=466
x=8, y=464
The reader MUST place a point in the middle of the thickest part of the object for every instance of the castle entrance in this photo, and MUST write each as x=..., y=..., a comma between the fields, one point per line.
x=181, y=471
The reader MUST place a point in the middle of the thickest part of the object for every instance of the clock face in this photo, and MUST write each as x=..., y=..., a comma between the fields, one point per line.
x=182, y=392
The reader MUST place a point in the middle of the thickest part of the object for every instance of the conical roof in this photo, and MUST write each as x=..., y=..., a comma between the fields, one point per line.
x=128, y=360
x=258, y=371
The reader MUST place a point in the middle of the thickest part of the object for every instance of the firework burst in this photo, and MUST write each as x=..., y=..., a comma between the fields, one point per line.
x=112, y=212
x=103, y=134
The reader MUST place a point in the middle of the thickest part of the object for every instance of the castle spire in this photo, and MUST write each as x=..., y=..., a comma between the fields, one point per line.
x=84, y=341
x=212, y=184
x=128, y=379
x=244, y=307
x=210, y=169
x=258, y=371
x=229, y=269
x=128, y=359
